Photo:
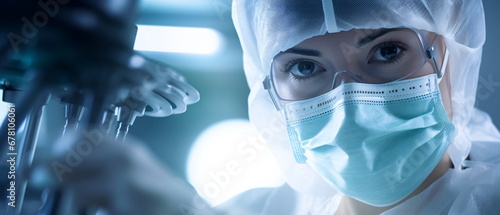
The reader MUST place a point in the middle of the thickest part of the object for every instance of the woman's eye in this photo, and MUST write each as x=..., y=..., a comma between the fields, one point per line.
x=386, y=53
x=304, y=69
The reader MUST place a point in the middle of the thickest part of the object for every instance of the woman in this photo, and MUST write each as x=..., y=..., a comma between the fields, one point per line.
x=372, y=108
x=337, y=72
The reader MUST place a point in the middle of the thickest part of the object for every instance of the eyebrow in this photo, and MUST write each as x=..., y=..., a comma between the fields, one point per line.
x=373, y=36
x=307, y=52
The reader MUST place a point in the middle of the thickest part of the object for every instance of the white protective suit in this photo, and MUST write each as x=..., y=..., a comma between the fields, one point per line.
x=266, y=27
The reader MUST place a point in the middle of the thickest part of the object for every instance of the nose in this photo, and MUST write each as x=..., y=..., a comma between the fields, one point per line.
x=345, y=76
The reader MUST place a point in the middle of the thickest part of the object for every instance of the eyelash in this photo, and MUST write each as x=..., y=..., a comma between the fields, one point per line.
x=294, y=62
x=398, y=44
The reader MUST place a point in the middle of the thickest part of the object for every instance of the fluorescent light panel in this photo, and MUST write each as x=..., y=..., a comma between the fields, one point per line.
x=177, y=39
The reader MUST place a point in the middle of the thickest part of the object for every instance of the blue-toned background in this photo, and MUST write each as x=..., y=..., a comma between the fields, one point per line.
x=488, y=94
x=220, y=79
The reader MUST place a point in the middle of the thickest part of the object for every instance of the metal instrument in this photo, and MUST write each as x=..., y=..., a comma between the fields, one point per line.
x=79, y=53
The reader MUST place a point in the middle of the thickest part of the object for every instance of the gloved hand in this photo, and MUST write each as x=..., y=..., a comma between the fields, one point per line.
x=121, y=178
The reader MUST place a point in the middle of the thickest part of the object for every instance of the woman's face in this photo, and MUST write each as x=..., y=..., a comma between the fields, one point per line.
x=373, y=56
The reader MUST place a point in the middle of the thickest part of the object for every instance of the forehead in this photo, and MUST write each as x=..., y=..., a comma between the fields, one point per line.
x=349, y=37
x=352, y=37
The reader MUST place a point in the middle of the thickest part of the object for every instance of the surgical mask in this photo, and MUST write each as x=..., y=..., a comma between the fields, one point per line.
x=373, y=142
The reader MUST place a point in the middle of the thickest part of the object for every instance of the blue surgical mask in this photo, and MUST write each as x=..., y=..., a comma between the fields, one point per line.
x=373, y=142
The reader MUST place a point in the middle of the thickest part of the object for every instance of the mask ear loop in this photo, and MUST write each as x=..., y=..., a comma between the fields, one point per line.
x=441, y=72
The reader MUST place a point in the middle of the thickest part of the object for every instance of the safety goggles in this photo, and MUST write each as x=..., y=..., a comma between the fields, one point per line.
x=401, y=54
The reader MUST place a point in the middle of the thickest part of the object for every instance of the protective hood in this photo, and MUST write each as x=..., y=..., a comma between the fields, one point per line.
x=266, y=28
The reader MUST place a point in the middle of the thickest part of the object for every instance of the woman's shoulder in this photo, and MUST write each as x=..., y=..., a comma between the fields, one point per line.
x=485, y=151
x=472, y=189
x=481, y=193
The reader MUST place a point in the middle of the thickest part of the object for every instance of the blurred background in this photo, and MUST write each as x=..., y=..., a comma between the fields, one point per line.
x=220, y=79
x=215, y=131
